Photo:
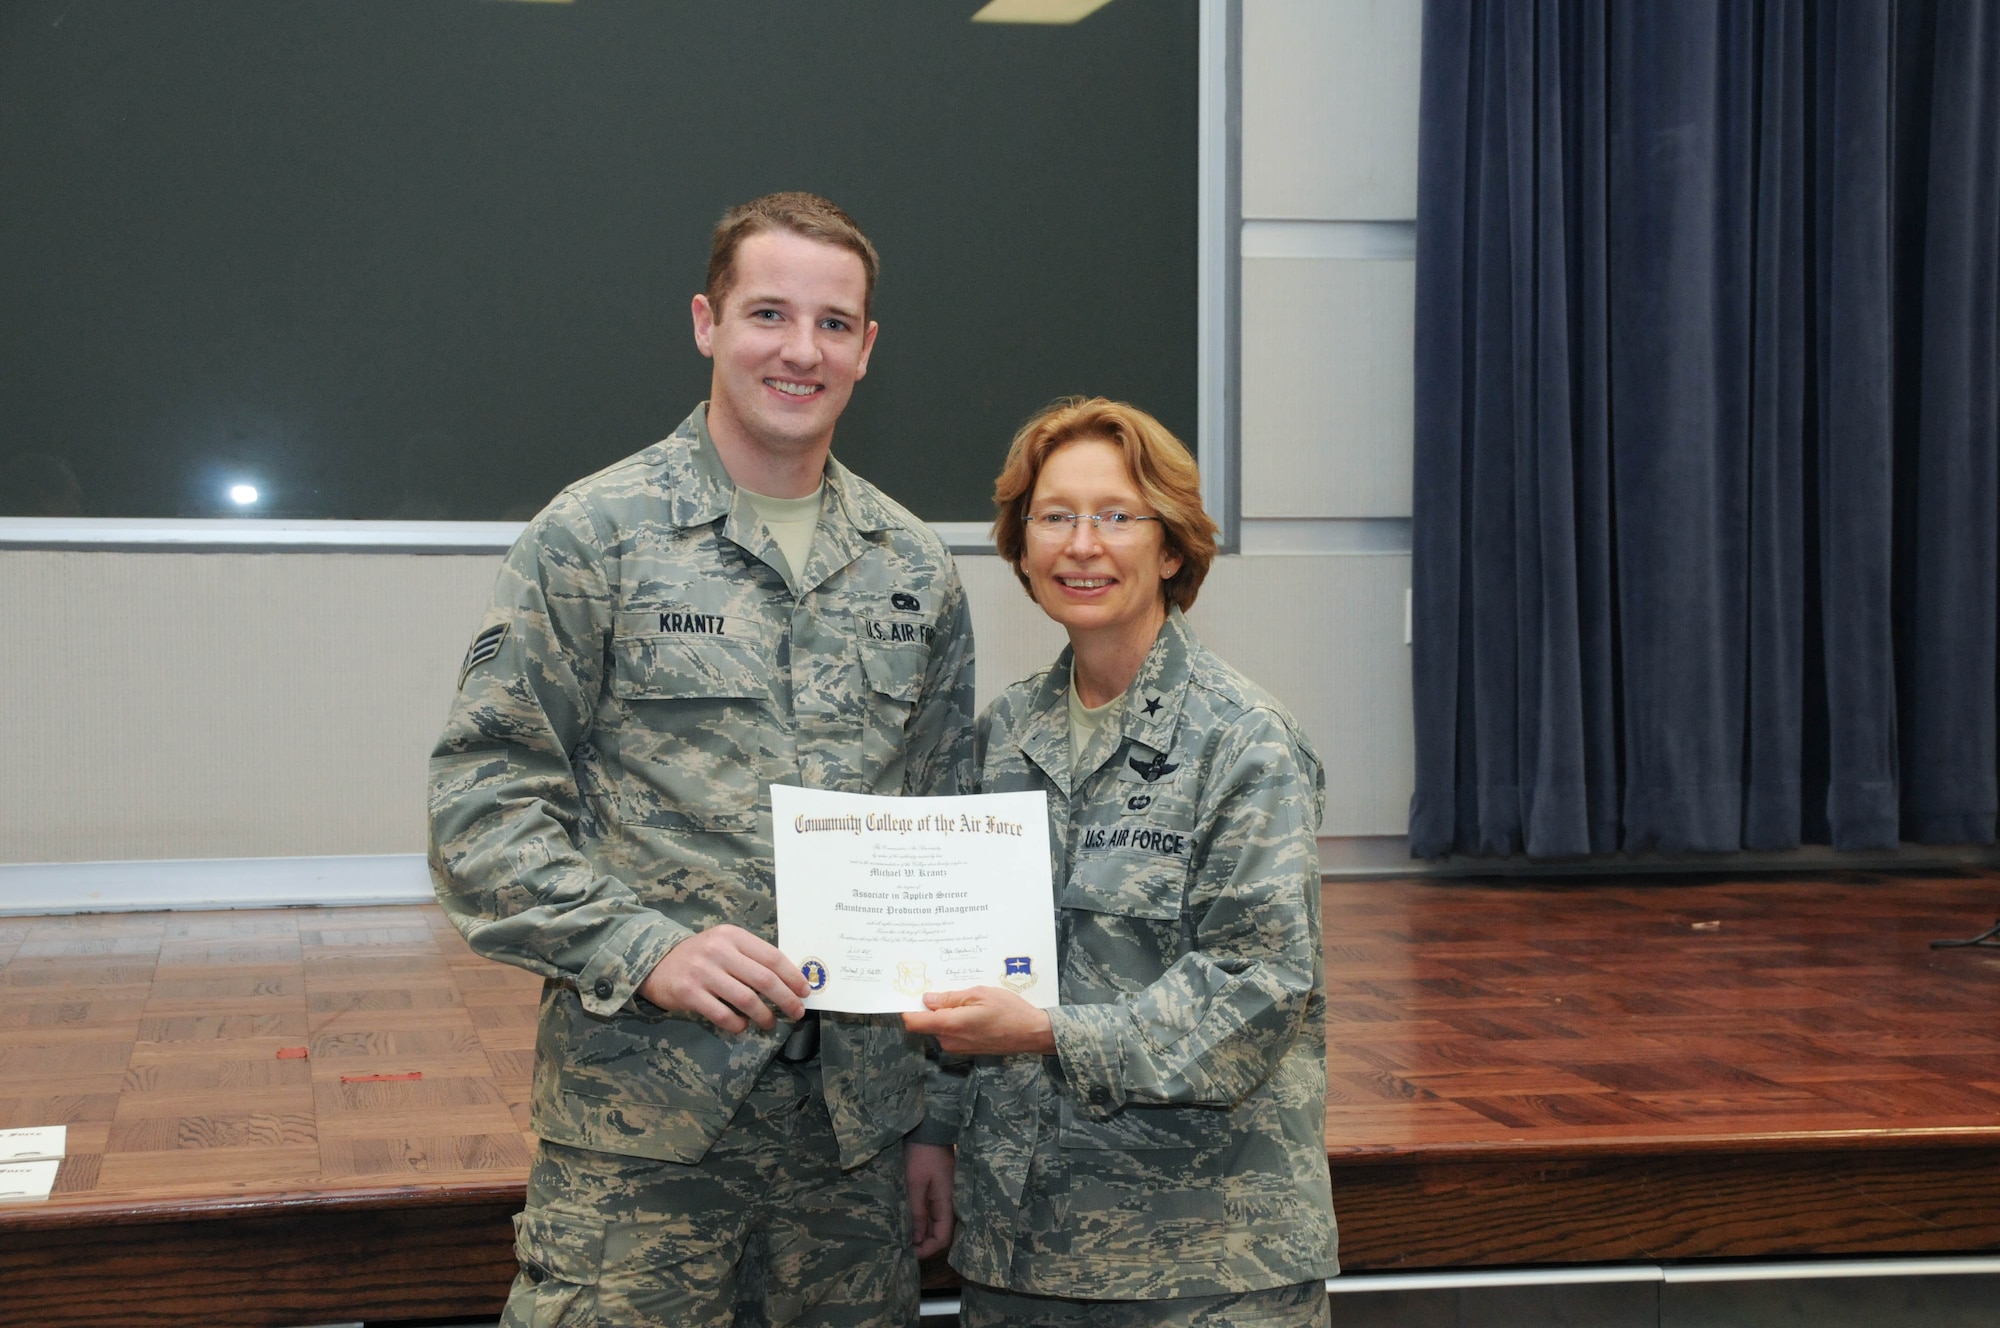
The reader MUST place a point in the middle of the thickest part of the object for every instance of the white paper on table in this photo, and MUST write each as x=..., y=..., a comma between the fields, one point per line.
x=34, y=1144
x=883, y=899
x=28, y=1180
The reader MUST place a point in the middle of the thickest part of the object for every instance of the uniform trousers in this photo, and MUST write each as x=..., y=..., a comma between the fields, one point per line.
x=1301, y=1306
x=766, y=1231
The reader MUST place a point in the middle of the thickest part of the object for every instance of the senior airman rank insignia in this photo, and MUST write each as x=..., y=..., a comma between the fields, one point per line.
x=484, y=647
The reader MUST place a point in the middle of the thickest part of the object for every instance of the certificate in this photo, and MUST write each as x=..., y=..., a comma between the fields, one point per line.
x=883, y=899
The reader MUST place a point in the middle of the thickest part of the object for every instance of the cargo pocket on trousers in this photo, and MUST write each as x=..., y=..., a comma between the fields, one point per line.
x=561, y=1255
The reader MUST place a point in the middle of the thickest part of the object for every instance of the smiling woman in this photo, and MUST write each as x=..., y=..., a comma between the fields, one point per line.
x=1104, y=1145
x=427, y=261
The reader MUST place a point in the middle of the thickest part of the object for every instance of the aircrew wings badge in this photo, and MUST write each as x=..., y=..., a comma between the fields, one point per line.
x=1154, y=767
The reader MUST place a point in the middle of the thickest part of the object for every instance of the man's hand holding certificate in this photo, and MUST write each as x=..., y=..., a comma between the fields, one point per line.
x=883, y=899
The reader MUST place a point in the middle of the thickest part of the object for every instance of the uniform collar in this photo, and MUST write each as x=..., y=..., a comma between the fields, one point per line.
x=1045, y=731
x=851, y=512
x=1153, y=702
x=699, y=491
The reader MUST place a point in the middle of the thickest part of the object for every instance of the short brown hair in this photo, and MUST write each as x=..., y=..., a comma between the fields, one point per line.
x=809, y=215
x=1157, y=461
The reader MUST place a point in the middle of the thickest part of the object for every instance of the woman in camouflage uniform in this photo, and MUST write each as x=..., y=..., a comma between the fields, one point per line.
x=1152, y=1150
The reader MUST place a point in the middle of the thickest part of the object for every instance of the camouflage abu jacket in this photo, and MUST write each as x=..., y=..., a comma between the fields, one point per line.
x=602, y=787
x=1175, y=1144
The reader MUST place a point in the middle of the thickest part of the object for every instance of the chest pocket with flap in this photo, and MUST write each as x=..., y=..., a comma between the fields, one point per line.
x=688, y=748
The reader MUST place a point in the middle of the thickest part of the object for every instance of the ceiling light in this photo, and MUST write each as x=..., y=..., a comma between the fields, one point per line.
x=1038, y=11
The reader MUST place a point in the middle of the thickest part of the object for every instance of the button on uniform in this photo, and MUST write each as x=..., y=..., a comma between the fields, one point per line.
x=603, y=989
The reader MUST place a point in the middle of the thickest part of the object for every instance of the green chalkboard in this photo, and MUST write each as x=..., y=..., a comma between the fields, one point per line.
x=432, y=258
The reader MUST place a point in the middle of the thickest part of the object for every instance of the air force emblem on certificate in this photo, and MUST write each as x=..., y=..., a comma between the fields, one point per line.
x=1020, y=974
x=815, y=974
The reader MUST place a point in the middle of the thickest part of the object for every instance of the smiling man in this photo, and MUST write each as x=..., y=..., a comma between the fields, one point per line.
x=727, y=609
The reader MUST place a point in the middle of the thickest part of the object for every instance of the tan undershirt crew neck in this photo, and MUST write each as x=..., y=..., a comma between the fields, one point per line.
x=791, y=522
x=1086, y=722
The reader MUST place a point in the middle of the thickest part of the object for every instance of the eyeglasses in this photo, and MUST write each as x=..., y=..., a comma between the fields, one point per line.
x=1112, y=527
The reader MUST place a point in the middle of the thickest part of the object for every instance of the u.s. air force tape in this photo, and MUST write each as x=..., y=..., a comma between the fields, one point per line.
x=484, y=647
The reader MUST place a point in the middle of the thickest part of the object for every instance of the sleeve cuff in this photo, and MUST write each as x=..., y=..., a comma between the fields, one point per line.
x=614, y=973
x=931, y=1130
x=1090, y=1045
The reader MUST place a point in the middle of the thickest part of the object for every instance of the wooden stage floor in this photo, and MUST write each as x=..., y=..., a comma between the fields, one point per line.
x=1519, y=1073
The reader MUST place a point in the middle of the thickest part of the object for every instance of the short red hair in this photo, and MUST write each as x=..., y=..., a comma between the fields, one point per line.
x=1158, y=463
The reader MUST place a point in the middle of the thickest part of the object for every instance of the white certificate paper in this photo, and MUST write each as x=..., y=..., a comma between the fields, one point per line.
x=28, y=1180
x=36, y=1143
x=883, y=899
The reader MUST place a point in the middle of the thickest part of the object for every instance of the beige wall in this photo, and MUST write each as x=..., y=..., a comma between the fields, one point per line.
x=278, y=705
x=223, y=705
x=188, y=705
x=1329, y=195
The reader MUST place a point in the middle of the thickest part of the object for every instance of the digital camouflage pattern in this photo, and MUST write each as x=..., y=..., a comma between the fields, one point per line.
x=601, y=789
x=628, y=1242
x=1175, y=1144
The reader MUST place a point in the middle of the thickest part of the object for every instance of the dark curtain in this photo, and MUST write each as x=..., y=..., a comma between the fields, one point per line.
x=1706, y=497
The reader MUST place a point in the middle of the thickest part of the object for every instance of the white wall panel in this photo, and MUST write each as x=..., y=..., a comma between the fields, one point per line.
x=1014, y=638
x=224, y=705
x=1325, y=636
x=243, y=705
x=1328, y=378
x=1330, y=108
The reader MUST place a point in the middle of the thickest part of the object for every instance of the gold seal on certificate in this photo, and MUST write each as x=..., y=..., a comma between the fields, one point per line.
x=883, y=899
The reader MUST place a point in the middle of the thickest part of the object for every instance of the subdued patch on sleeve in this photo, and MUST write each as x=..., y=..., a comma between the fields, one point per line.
x=484, y=647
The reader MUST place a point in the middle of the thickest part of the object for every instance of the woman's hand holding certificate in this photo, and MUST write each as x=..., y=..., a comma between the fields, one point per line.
x=883, y=899
x=984, y=1021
